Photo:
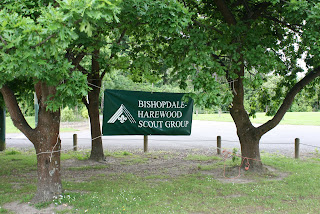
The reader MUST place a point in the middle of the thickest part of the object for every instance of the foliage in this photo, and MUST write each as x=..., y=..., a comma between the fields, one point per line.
x=33, y=49
x=10, y=128
x=84, y=112
x=209, y=51
x=119, y=80
x=235, y=156
x=67, y=114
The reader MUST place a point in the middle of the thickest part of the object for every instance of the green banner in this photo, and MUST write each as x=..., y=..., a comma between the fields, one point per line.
x=146, y=113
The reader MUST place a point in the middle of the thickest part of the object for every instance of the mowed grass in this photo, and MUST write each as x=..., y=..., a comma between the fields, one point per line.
x=290, y=118
x=10, y=128
x=197, y=192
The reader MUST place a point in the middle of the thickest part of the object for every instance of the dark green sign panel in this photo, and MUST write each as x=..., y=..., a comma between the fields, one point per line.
x=146, y=113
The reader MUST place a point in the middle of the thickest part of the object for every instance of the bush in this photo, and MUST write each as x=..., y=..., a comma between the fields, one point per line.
x=84, y=113
x=67, y=114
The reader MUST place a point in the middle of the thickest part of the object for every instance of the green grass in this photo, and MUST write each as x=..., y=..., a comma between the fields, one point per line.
x=10, y=128
x=202, y=158
x=190, y=193
x=290, y=118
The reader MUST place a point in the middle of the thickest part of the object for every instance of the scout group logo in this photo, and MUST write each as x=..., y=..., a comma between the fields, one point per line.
x=122, y=114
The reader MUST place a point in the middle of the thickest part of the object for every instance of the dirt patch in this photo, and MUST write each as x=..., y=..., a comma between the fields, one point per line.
x=171, y=164
x=26, y=208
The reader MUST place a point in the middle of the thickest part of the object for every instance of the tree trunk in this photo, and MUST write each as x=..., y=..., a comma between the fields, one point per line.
x=249, y=140
x=93, y=105
x=2, y=128
x=45, y=138
x=96, y=140
x=48, y=157
x=250, y=152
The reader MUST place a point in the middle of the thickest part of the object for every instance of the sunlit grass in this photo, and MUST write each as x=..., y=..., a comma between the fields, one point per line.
x=198, y=192
x=290, y=118
x=10, y=128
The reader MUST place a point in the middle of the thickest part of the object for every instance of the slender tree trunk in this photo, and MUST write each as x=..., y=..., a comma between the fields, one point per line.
x=45, y=138
x=97, y=153
x=2, y=128
x=93, y=105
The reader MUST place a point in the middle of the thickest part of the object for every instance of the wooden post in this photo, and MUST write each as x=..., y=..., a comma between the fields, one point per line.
x=75, y=142
x=218, y=145
x=296, y=148
x=145, y=143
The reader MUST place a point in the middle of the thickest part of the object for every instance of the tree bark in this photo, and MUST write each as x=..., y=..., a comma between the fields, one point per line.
x=248, y=136
x=2, y=128
x=45, y=138
x=93, y=105
x=97, y=153
x=48, y=156
x=250, y=152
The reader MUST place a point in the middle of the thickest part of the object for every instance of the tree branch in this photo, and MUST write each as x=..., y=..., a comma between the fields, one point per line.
x=122, y=35
x=3, y=40
x=85, y=102
x=288, y=101
x=205, y=26
x=17, y=117
x=44, y=41
x=226, y=13
x=293, y=27
x=119, y=40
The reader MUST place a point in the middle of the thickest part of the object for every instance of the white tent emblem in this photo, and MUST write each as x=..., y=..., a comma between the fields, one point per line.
x=122, y=114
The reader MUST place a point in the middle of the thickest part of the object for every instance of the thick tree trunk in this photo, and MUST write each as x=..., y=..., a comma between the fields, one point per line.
x=45, y=138
x=250, y=152
x=249, y=140
x=48, y=157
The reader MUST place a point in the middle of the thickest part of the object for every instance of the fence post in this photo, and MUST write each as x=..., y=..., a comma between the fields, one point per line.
x=296, y=148
x=75, y=142
x=145, y=143
x=218, y=145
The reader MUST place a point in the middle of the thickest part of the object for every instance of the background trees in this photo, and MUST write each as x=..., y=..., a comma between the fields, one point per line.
x=110, y=37
x=242, y=44
x=59, y=48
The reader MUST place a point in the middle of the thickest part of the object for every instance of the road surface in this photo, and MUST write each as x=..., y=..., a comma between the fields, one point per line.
x=204, y=135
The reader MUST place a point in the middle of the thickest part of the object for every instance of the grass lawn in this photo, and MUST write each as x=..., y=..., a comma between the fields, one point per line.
x=99, y=188
x=290, y=118
x=10, y=128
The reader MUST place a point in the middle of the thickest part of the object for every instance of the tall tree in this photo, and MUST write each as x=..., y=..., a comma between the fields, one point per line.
x=108, y=36
x=240, y=44
x=32, y=44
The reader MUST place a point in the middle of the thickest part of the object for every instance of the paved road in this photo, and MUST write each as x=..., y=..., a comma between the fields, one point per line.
x=204, y=133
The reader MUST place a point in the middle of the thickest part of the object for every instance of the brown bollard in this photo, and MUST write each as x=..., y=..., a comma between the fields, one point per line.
x=75, y=142
x=218, y=145
x=296, y=148
x=145, y=143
